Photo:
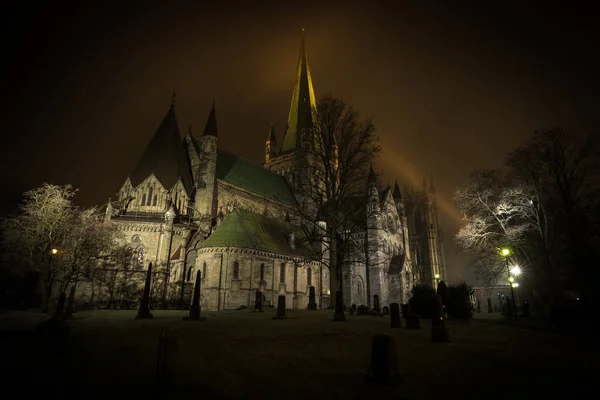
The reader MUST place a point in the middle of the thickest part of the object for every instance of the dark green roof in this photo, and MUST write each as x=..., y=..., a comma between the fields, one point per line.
x=255, y=178
x=248, y=230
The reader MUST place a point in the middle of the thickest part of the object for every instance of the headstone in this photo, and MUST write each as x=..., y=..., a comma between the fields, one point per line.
x=413, y=321
x=339, y=315
x=70, y=300
x=384, y=360
x=353, y=309
x=144, y=311
x=526, y=312
x=60, y=306
x=386, y=310
x=439, y=333
x=165, y=359
x=363, y=310
x=195, y=307
x=405, y=310
x=280, y=308
x=490, y=308
x=312, y=304
x=376, y=303
x=395, y=321
x=258, y=301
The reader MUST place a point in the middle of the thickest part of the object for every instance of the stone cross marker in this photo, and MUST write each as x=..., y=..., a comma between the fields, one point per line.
x=395, y=321
x=280, y=308
x=144, y=311
x=312, y=304
x=384, y=360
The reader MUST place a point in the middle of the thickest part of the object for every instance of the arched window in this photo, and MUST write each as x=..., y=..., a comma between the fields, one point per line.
x=262, y=272
x=189, y=274
x=149, y=196
x=155, y=200
x=309, y=277
x=203, y=270
x=129, y=256
x=143, y=200
x=236, y=270
x=282, y=273
x=359, y=288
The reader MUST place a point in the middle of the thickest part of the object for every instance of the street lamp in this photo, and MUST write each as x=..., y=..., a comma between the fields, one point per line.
x=516, y=270
x=506, y=253
x=54, y=251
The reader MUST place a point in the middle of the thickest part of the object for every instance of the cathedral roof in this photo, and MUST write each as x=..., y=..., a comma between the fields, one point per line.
x=302, y=105
x=248, y=230
x=397, y=193
x=211, y=124
x=164, y=157
x=255, y=178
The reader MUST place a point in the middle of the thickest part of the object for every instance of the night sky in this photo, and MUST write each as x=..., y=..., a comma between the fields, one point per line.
x=450, y=89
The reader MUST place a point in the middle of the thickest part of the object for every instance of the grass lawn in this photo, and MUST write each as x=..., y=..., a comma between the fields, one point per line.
x=238, y=354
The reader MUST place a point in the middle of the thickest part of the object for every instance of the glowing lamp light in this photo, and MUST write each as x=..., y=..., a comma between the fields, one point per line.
x=511, y=279
x=516, y=284
x=505, y=252
x=54, y=251
x=437, y=276
x=516, y=270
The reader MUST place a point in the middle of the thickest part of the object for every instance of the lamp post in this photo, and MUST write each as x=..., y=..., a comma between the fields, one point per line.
x=506, y=253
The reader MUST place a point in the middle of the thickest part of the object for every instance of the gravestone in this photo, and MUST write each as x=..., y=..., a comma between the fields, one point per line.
x=195, y=307
x=312, y=304
x=280, y=308
x=144, y=311
x=339, y=315
x=60, y=306
x=490, y=308
x=386, y=310
x=526, y=312
x=439, y=333
x=376, y=303
x=376, y=307
x=384, y=360
x=413, y=321
x=165, y=359
x=258, y=301
x=353, y=309
x=395, y=321
x=70, y=300
x=405, y=310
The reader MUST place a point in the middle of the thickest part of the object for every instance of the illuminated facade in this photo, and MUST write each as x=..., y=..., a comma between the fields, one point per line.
x=190, y=206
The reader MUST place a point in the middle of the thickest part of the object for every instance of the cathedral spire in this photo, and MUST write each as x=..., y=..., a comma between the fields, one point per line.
x=211, y=124
x=424, y=184
x=431, y=188
x=271, y=138
x=397, y=193
x=372, y=177
x=302, y=104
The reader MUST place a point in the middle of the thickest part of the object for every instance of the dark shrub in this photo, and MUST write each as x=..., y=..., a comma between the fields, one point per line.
x=420, y=302
x=458, y=303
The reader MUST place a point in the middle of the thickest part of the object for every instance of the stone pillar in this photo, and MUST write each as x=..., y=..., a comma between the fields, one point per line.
x=395, y=321
x=195, y=307
x=339, y=315
x=489, y=304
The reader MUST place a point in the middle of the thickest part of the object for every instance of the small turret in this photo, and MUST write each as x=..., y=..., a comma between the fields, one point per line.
x=207, y=168
x=271, y=144
x=398, y=198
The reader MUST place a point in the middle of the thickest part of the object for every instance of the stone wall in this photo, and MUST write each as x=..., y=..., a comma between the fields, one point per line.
x=232, y=197
x=233, y=276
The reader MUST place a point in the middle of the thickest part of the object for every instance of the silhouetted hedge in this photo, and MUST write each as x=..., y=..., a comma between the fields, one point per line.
x=458, y=302
x=420, y=302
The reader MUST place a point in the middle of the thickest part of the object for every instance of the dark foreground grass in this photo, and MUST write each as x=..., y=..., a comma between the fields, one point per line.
x=239, y=354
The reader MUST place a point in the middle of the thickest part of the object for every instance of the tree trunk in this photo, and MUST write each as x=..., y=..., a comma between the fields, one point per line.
x=333, y=269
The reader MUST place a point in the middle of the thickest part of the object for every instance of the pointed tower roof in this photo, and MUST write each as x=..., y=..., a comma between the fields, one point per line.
x=431, y=188
x=211, y=124
x=271, y=137
x=164, y=157
x=302, y=105
x=424, y=184
x=372, y=177
x=397, y=193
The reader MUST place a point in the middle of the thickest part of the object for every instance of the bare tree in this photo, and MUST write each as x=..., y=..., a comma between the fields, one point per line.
x=339, y=152
x=61, y=241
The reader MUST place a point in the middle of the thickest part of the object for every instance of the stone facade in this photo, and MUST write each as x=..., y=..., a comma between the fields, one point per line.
x=174, y=209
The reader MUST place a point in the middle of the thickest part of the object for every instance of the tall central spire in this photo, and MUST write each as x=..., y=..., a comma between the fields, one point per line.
x=302, y=105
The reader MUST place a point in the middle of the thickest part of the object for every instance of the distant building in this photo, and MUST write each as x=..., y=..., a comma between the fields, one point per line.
x=190, y=206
